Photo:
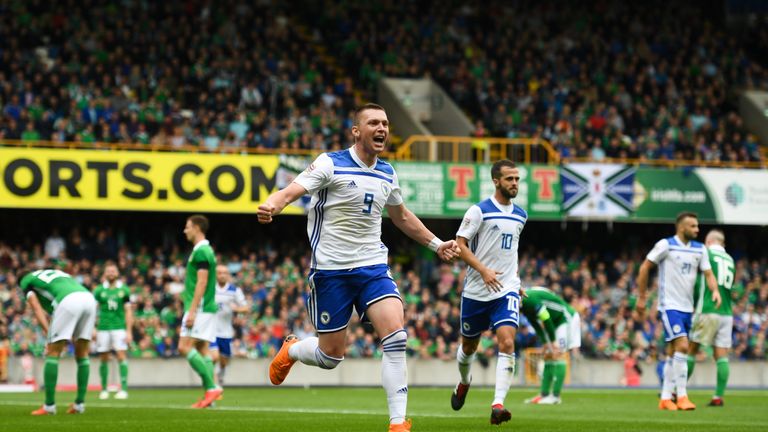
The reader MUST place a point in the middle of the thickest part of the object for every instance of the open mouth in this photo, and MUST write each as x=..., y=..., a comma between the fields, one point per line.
x=379, y=139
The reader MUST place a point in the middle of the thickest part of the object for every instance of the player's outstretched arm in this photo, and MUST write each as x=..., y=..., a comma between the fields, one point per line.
x=414, y=228
x=642, y=286
x=276, y=202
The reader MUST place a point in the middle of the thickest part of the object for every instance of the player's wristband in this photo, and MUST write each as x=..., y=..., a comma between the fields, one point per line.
x=434, y=244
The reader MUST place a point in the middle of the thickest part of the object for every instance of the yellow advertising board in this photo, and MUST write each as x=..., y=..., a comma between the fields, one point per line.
x=136, y=180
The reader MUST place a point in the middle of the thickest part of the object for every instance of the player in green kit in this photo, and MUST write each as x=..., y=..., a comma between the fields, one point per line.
x=558, y=327
x=713, y=325
x=73, y=314
x=198, y=325
x=113, y=331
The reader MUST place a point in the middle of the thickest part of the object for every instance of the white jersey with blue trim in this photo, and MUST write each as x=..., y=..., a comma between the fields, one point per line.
x=493, y=233
x=348, y=198
x=226, y=296
x=679, y=265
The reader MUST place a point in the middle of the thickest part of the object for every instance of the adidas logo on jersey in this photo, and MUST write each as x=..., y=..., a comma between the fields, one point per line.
x=352, y=185
x=495, y=228
x=403, y=390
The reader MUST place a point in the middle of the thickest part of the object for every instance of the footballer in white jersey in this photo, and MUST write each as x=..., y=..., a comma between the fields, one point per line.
x=229, y=300
x=679, y=259
x=348, y=199
x=493, y=231
x=679, y=265
x=488, y=237
x=350, y=189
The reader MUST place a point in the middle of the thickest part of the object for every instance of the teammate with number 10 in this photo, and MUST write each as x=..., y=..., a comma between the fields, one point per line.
x=350, y=190
x=488, y=238
x=713, y=325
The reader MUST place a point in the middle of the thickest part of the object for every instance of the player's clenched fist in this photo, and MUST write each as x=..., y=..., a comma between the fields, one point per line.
x=264, y=213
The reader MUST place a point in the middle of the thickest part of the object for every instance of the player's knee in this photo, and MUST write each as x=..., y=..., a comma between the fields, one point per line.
x=468, y=348
x=394, y=342
x=507, y=345
x=324, y=361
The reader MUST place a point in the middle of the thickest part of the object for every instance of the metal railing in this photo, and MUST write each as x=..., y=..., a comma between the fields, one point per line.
x=471, y=149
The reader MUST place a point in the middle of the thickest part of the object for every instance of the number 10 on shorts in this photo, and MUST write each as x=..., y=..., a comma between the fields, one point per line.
x=513, y=306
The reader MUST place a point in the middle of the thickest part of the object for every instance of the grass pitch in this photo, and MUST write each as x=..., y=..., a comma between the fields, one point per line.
x=364, y=409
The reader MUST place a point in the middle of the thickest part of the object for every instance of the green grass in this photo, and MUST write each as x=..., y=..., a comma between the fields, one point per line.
x=364, y=409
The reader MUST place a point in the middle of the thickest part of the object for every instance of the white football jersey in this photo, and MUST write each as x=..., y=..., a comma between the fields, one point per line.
x=679, y=265
x=344, y=220
x=225, y=296
x=493, y=233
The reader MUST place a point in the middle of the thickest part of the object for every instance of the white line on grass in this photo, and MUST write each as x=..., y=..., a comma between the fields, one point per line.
x=244, y=409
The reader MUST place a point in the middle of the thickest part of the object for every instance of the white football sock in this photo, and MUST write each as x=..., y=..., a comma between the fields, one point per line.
x=305, y=351
x=669, y=380
x=680, y=372
x=505, y=369
x=308, y=352
x=465, y=364
x=394, y=374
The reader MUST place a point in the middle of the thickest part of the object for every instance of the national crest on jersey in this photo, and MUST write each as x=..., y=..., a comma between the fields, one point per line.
x=679, y=265
x=493, y=235
x=344, y=218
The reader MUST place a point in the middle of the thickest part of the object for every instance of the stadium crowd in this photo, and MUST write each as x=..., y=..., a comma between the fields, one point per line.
x=620, y=79
x=600, y=287
x=644, y=80
x=220, y=76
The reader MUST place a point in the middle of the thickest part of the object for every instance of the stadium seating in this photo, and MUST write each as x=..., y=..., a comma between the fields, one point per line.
x=627, y=81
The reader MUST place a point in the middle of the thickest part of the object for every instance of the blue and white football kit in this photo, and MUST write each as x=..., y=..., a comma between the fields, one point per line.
x=349, y=261
x=226, y=296
x=679, y=265
x=493, y=233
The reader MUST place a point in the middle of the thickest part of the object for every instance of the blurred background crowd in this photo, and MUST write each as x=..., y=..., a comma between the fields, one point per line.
x=599, y=285
x=618, y=80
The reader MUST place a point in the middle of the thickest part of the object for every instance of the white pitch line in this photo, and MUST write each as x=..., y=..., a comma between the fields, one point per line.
x=97, y=405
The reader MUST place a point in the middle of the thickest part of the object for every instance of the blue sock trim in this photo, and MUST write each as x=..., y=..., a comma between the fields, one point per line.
x=395, y=341
x=324, y=361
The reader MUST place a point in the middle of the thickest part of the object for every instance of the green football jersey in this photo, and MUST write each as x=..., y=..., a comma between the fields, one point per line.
x=723, y=267
x=112, y=302
x=202, y=257
x=50, y=286
x=546, y=311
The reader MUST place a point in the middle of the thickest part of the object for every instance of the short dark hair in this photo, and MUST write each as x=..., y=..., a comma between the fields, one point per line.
x=368, y=106
x=683, y=215
x=496, y=168
x=200, y=221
